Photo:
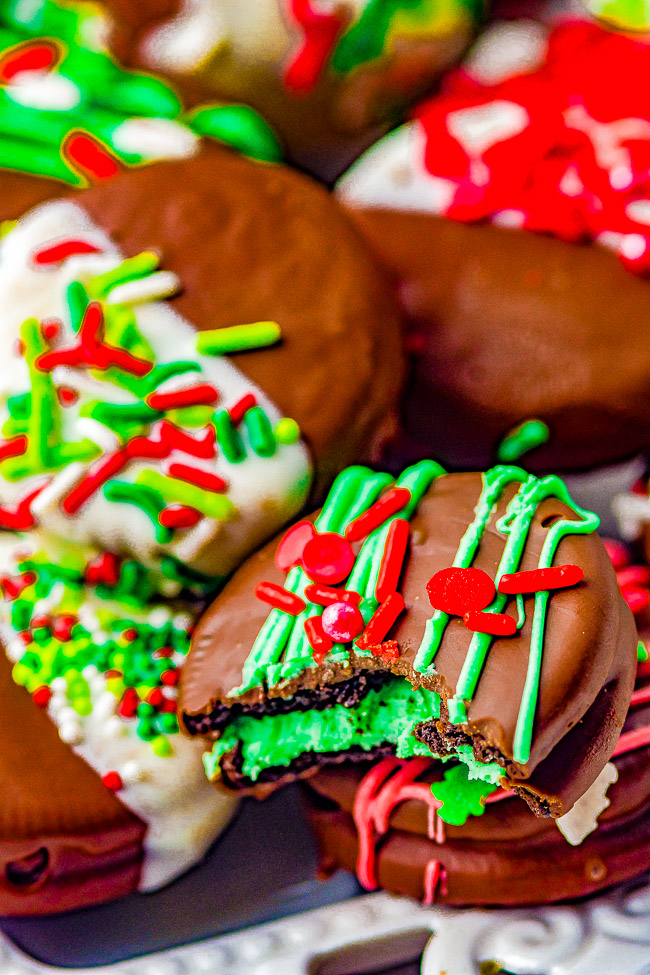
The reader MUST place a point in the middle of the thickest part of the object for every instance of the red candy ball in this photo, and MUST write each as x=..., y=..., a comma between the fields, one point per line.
x=342, y=622
x=328, y=558
x=458, y=591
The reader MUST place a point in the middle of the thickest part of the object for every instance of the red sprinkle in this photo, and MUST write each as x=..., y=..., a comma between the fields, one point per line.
x=113, y=781
x=130, y=634
x=388, y=505
x=319, y=642
x=50, y=328
x=14, y=447
x=497, y=624
x=393, y=559
x=56, y=253
x=62, y=627
x=179, y=516
x=31, y=56
x=170, y=677
x=289, y=551
x=342, y=622
x=194, y=475
x=617, y=551
x=328, y=558
x=12, y=586
x=89, y=156
x=155, y=697
x=66, y=395
x=100, y=473
x=457, y=591
x=238, y=410
x=382, y=620
x=633, y=575
x=326, y=595
x=203, y=394
x=538, y=580
x=163, y=652
x=128, y=706
x=104, y=570
x=41, y=696
x=279, y=598
x=387, y=651
x=321, y=31
x=40, y=622
x=21, y=518
x=169, y=707
x=637, y=598
x=91, y=350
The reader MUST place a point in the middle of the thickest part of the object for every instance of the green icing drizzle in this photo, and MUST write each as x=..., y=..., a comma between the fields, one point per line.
x=385, y=716
x=522, y=439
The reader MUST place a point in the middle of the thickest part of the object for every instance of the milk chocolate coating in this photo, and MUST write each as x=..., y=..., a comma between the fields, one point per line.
x=65, y=840
x=19, y=193
x=257, y=242
x=499, y=857
x=588, y=666
x=507, y=326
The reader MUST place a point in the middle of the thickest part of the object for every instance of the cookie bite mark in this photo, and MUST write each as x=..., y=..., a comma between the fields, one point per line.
x=523, y=703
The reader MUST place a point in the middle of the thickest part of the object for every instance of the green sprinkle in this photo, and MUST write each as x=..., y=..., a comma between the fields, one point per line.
x=522, y=439
x=286, y=431
x=162, y=747
x=239, y=127
x=130, y=269
x=260, y=431
x=145, y=498
x=175, y=491
x=238, y=338
x=642, y=652
x=227, y=437
x=77, y=301
x=20, y=406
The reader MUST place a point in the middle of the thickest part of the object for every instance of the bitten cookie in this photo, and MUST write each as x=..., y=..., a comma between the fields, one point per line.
x=384, y=822
x=475, y=617
x=193, y=346
x=520, y=320
x=325, y=74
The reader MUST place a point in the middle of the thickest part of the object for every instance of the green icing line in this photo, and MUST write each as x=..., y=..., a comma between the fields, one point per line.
x=129, y=270
x=77, y=301
x=240, y=127
x=386, y=715
x=522, y=439
x=260, y=431
x=494, y=483
x=228, y=438
x=142, y=497
x=641, y=652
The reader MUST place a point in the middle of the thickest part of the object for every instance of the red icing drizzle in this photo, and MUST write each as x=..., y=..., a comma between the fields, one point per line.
x=320, y=33
x=32, y=56
x=565, y=147
x=62, y=250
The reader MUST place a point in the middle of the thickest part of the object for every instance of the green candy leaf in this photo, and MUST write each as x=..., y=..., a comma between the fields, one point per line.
x=460, y=796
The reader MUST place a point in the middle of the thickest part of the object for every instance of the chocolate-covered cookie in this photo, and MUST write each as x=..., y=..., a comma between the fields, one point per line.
x=194, y=346
x=384, y=822
x=102, y=795
x=472, y=616
x=325, y=74
x=520, y=321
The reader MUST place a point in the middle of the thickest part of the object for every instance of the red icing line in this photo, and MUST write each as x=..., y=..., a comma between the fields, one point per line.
x=199, y=477
x=433, y=875
x=564, y=147
x=241, y=407
x=14, y=447
x=92, y=351
x=32, y=56
x=381, y=621
x=392, y=502
x=633, y=575
x=203, y=394
x=499, y=796
x=320, y=33
x=326, y=595
x=56, y=253
x=636, y=598
x=640, y=696
x=497, y=624
x=89, y=156
x=279, y=598
x=537, y=580
x=179, y=516
x=21, y=518
x=104, y=570
x=392, y=559
x=319, y=642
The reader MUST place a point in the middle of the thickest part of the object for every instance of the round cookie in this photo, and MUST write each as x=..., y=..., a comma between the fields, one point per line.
x=496, y=211
x=326, y=74
x=126, y=423
x=103, y=797
x=402, y=657
x=384, y=822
